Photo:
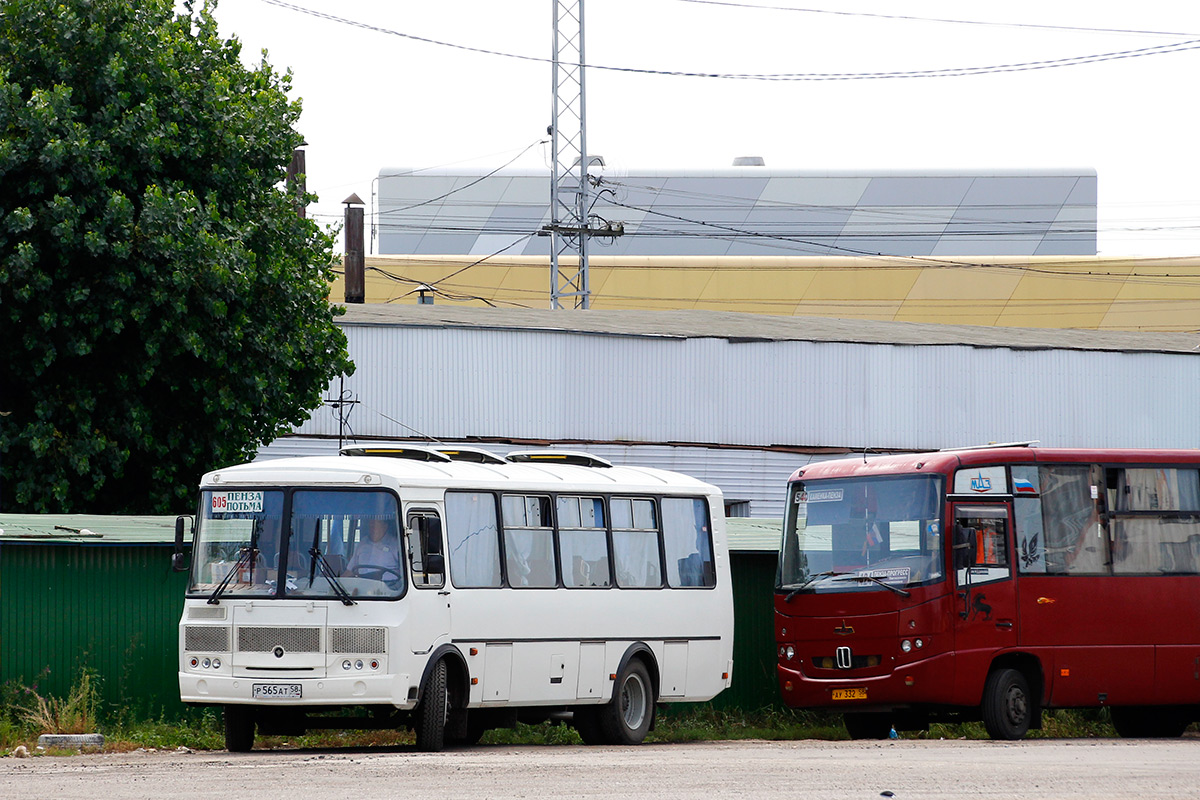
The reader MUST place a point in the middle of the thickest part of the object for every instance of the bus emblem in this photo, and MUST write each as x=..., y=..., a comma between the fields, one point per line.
x=981, y=483
x=844, y=629
x=843, y=658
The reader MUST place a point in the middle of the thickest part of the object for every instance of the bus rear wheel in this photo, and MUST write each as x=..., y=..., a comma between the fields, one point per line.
x=239, y=729
x=626, y=718
x=1149, y=722
x=1007, y=706
x=432, y=711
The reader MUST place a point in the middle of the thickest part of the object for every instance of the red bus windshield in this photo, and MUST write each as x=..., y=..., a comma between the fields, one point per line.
x=862, y=534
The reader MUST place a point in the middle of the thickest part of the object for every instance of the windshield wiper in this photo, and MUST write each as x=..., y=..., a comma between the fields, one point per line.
x=339, y=590
x=243, y=559
x=812, y=579
x=884, y=584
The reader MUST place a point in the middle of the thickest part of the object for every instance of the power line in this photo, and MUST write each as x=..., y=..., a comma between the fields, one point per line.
x=457, y=189
x=949, y=72
x=913, y=18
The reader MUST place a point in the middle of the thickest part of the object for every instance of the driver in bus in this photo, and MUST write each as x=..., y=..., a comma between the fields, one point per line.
x=376, y=556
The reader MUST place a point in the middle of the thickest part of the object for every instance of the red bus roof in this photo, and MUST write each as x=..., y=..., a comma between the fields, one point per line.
x=942, y=462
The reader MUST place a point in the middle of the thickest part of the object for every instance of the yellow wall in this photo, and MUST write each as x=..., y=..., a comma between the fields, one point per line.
x=1161, y=294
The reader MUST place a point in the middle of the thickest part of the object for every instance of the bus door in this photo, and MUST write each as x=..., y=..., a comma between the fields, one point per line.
x=985, y=593
x=429, y=602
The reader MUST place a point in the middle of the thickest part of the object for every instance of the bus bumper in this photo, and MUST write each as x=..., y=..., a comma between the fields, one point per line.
x=917, y=683
x=393, y=690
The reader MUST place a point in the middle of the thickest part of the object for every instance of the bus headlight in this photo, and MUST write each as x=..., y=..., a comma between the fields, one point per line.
x=346, y=664
x=919, y=643
x=906, y=646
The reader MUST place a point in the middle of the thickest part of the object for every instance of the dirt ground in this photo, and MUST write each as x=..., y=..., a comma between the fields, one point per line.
x=811, y=770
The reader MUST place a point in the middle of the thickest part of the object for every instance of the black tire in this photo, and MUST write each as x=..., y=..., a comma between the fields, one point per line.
x=239, y=729
x=587, y=723
x=626, y=718
x=432, y=711
x=1007, y=705
x=1149, y=722
x=465, y=728
x=865, y=725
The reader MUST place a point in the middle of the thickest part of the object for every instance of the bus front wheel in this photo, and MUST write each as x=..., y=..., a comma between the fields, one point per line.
x=867, y=725
x=432, y=711
x=239, y=729
x=1007, y=706
x=626, y=718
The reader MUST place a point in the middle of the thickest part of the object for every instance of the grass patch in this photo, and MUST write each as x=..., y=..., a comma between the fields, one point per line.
x=25, y=714
x=704, y=723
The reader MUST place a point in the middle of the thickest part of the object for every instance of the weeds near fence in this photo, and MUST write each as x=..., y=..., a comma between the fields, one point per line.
x=77, y=713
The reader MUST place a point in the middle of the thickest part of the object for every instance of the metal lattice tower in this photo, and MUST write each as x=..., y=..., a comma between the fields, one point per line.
x=568, y=226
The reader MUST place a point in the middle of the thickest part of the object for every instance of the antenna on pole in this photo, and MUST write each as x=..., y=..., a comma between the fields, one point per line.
x=343, y=405
x=569, y=163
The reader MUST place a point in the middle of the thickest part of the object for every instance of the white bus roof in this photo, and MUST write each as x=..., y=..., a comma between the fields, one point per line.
x=370, y=470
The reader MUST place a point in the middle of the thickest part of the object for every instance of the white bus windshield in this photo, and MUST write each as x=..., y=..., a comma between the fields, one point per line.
x=862, y=534
x=333, y=544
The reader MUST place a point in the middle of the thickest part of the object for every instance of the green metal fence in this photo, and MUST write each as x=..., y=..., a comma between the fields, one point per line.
x=113, y=610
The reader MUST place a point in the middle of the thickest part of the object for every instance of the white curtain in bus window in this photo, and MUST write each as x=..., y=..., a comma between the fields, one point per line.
x=635, y=543
x=1157, y=536
x=1158, y=490
x=687, y=541
x=1153, y=545
x=528, y=541
x=472, y=539
x=582, y=542
x=1075, y=541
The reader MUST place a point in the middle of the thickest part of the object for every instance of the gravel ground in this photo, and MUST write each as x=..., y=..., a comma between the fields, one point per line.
x=1082, y=768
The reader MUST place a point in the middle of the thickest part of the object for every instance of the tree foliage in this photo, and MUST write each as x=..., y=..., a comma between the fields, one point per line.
x=163, y=308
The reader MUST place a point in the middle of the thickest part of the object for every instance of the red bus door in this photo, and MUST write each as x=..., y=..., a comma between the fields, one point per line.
x=985, y=593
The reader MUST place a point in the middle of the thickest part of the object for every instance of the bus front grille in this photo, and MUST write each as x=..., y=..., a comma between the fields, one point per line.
x=292, y=640
x=357, y=640
x=205, y=639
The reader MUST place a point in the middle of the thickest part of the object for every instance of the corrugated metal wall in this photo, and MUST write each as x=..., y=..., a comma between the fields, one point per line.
x=643, y=394
x=452, y=383
x=112, y=609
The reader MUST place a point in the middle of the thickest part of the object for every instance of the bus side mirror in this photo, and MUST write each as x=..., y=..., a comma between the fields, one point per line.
x=179, y=561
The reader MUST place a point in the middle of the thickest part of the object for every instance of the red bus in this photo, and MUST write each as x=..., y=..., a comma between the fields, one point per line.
x=992, y=583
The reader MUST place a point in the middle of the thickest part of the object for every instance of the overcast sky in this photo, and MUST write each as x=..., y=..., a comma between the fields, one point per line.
x=403, y=86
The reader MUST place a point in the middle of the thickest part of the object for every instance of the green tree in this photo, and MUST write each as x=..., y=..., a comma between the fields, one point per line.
x=163, y=308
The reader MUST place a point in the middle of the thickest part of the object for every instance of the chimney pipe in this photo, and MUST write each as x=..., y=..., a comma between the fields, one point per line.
x=354, y=260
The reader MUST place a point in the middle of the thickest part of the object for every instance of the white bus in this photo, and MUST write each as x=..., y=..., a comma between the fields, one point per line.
x=453, y=591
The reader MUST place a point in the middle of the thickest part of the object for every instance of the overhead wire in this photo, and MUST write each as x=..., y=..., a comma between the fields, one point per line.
x=1025, y=66
x=941, y=20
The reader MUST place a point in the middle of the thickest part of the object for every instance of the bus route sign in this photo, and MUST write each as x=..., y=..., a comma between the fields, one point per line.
x=237, y=502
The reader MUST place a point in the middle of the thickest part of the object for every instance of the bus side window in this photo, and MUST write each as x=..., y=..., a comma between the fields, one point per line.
x=981, y=544
x=425, y=550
